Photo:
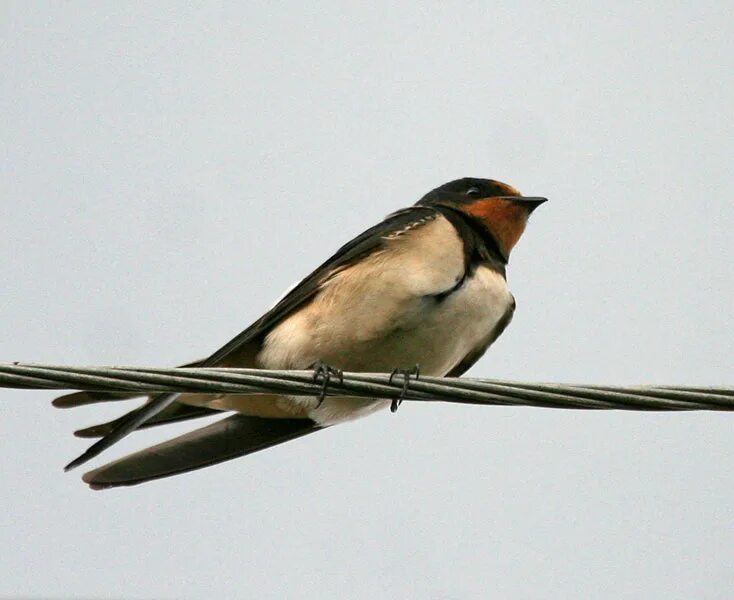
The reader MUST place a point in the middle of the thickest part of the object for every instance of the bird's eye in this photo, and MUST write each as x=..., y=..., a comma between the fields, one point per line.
x=473, y=191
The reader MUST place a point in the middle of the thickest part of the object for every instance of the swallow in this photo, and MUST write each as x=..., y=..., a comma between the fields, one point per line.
x=427, y=286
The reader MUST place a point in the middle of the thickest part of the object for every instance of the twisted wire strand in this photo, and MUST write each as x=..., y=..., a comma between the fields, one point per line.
x=148, y=380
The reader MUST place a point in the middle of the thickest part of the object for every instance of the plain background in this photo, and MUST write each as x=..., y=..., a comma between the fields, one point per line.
x=167, y=169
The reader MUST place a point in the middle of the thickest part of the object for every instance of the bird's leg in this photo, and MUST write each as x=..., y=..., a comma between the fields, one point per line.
x=324, y=372
x=406, y=373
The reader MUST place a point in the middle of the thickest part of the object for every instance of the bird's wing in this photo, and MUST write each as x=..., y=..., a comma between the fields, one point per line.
x=468, y=361
x=224, y=440
x=241, y=350
x=361, y=246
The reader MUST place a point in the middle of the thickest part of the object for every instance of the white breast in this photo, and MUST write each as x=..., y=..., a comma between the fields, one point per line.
x=456, y=326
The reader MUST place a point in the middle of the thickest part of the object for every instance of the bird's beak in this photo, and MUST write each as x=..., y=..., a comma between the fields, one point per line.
x=530, y=203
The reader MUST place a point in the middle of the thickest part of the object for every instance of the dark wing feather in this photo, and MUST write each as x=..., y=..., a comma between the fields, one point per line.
x=224, y=440
x=173, y=414
x=363, y=245
x=84, y=398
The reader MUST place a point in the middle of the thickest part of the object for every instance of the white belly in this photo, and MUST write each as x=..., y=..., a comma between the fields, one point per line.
x=380, y=332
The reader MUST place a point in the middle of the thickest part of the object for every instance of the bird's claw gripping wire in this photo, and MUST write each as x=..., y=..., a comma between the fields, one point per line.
x=324, y=372
x=406, y=373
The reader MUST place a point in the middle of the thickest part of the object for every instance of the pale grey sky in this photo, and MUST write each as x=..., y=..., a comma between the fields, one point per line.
x=168, y=169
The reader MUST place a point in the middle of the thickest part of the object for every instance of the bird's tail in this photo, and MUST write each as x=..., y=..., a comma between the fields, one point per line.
x=229, y=438
x=173, y=414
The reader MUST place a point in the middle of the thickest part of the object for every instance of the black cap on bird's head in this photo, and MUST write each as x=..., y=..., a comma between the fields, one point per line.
x=499, y=207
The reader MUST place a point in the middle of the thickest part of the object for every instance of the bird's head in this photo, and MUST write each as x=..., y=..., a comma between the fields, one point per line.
x=500, y=208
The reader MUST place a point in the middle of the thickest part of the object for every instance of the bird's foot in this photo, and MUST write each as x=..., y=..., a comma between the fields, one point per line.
x=324, y=373
x=406, y=373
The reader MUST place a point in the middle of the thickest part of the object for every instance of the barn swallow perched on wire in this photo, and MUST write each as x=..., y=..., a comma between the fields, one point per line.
x=426, y=287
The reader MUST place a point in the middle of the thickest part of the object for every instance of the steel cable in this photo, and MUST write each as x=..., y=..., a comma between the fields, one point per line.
x=148, y=380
